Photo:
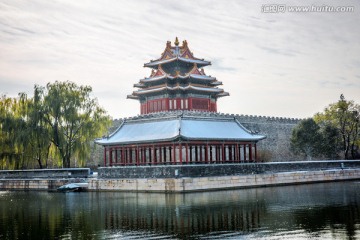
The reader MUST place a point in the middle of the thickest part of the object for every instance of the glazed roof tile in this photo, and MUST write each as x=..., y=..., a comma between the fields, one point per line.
x=196, y=76
x=186, y=60
x=189, y=87
x=179, y=127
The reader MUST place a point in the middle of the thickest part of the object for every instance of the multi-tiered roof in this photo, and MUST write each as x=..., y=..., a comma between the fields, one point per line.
x=178, y=82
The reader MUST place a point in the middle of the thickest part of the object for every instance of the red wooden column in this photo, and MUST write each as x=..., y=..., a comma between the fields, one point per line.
x=153, y=154
x=164, y=154
x=217, y=153
x=255, y=152
x=230, y=153
x=123, y=156
x=187, y=153
x=206, y=153
x=250, y=152
x=201, y=155
x=161, y=156
x=223, y=153
x=174, y=154
x=126, y=156
x=237, y=153
x=110, y=156
x=180, y=152
x=211, y=153
x=143, y=156
x=130, y=155
x=196, y=153
x=137, y=155
x=105, y=156
x=170, y=153
x=244, y=146
x=191, y=153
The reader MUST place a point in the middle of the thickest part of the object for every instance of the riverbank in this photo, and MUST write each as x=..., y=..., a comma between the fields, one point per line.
x=190, y=178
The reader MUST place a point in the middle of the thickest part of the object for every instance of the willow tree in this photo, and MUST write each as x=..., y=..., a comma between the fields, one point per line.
x=13, y=143
x=75, y=119
x=37, y=130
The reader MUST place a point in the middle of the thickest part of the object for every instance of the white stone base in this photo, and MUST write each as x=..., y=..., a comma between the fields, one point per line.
x=221, y=182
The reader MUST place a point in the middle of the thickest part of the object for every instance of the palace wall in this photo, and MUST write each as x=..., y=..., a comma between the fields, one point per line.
x=276, y=146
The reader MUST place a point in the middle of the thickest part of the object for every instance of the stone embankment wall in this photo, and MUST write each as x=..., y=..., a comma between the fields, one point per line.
x=221, y=182
x=214, y=170
x=41, y=179
x=205, y=177
x=185, y=178
x=33, y=184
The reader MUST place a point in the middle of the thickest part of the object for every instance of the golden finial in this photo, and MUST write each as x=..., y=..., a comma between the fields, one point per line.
x=176, y=41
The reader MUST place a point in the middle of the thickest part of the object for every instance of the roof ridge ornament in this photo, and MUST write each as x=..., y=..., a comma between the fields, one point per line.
x=176, y=41
x=168, y=44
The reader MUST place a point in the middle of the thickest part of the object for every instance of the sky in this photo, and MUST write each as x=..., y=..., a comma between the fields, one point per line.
x=282, y=64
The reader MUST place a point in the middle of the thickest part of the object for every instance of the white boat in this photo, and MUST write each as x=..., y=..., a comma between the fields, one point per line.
x=73, y=187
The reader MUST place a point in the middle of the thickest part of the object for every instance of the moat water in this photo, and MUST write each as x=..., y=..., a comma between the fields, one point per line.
x=315, y=211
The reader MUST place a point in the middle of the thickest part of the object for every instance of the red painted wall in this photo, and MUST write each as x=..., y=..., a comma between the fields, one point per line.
x=163, y=104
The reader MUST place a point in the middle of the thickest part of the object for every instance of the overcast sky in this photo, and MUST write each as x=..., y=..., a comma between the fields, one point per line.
x=272, y=64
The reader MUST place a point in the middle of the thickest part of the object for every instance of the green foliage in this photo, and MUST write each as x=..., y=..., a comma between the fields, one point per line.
x=58, y=122
x=329, y=145
x=306, y=139
x=344, y=116
x=334, y=131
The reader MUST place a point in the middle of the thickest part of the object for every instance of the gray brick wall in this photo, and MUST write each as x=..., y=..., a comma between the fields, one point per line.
x=278, y=133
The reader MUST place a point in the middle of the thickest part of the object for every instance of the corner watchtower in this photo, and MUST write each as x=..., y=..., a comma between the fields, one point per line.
x=177, y=82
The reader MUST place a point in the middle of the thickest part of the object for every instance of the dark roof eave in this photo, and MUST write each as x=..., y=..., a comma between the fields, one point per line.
x=156, y=63
x=181, y=137
x=132, y=97
x=136, y=142
x=224, y=139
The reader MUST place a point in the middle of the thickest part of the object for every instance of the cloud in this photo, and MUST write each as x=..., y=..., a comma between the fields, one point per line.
x=259, y=57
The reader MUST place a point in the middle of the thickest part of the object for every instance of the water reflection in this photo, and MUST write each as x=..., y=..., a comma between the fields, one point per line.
x=318, y=210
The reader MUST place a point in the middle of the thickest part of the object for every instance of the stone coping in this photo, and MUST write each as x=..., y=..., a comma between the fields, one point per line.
x=45, y=173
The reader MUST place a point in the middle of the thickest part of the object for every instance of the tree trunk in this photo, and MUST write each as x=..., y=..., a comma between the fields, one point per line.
x=39, y=161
